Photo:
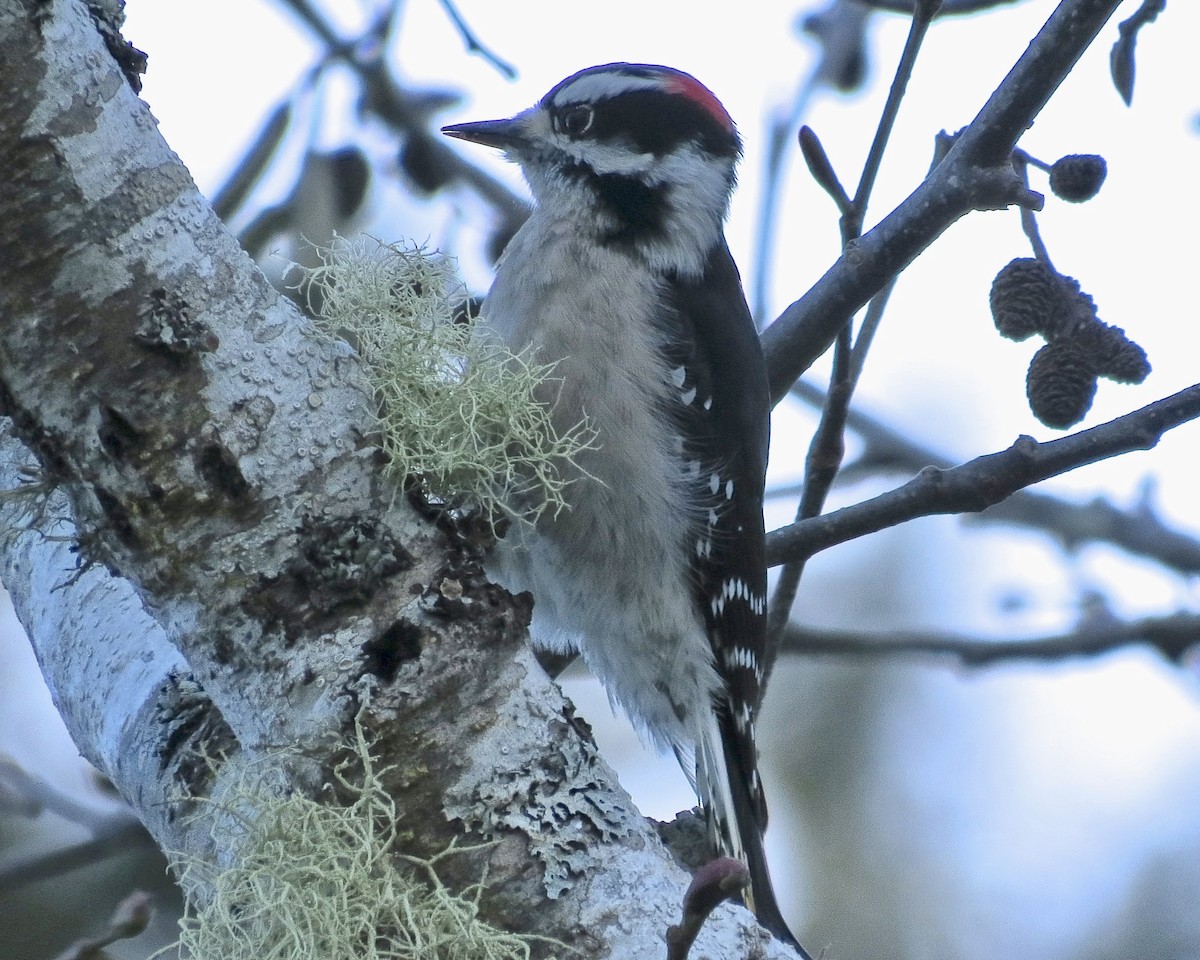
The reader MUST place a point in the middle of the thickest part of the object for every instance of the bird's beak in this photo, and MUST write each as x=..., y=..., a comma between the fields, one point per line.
x=502, y=134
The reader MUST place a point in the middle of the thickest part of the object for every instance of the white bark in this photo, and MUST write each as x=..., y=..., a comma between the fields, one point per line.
x=248, y=576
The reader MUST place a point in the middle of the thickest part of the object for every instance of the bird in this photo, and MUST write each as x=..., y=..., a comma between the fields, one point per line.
x=621, y=277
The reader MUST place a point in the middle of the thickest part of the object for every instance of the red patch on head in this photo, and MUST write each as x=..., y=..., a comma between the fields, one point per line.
x=688, y=86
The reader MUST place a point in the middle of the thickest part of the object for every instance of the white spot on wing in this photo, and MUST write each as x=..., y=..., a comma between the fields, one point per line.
x=678, y=376
x=688, y=396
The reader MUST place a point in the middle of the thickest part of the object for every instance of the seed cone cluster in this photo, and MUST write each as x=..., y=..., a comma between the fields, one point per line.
x=1029, y=297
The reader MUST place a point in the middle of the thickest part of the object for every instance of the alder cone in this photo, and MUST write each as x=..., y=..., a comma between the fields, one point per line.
x=1060, y=385
x=1026, y=298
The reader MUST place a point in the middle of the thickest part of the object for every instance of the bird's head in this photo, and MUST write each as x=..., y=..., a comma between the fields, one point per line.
x=647, y=150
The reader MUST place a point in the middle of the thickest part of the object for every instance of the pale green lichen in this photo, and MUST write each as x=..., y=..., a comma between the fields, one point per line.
x=458, y=410
x=318, y=881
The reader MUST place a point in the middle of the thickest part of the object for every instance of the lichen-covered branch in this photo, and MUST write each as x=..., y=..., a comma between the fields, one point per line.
x=224, y=576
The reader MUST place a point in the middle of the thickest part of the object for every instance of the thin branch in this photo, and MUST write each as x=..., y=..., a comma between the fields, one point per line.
x=28, y=795
x=311, y=17
x=828, y=445
x=129, y=920
x=407, y=112
x=949, y=8
x=1139, y=531
x=1172, y=636
x=117, y=839
x=473, y=44
x=868, y=329
x=923, y=12
x=839, y=32
x=1029, y=224
x=249, y=170
x=985, y=481
x=976, y=174
x=825, y=453
x=778, y=138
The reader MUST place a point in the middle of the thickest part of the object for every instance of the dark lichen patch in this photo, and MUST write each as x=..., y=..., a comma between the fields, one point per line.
x=118, y=518
x=197, y=739
x=167, y=326
x=338, y=566
x=219, y=469
x=118, y=436
x=384, y=654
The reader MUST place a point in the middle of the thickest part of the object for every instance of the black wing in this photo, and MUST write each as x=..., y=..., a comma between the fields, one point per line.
x=723, y=415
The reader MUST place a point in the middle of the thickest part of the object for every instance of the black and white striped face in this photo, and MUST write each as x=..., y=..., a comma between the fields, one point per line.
x=626, y=118
x=650, y=149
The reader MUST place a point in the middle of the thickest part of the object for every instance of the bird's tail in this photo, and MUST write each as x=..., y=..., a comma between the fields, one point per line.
x=731, y=794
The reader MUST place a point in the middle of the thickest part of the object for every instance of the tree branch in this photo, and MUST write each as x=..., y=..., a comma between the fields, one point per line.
x=407, y=113
x=975, y=174
x=987, y=480
x=1139, y=531
x=251, y=582
x=1173, y=637
x=949, y=8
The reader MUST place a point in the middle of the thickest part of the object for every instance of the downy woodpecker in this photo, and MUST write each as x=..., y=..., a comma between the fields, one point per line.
x=622, y=277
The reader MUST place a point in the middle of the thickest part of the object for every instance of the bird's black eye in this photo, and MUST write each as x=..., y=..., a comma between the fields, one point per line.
x=574, y=121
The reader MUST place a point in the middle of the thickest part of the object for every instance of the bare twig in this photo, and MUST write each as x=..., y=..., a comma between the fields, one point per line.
x=839, y=31
x=825, y=454
x=1121, y=59
x=987, y=480
x=1029, y=224
x=868, y=329
x=130, y=919
x=118, y=837
x=923, y=13
x=715, y=882
x=473, y=44
x=778, y=138
x=828, y=445
x=1139, y=531
x=232, y=194
x=949, y=8
x=1172, y=636
x=311, y=18
x=407, y=111
x=27, y=795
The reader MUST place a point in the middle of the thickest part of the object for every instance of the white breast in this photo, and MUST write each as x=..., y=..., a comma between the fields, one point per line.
x=609, y=575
